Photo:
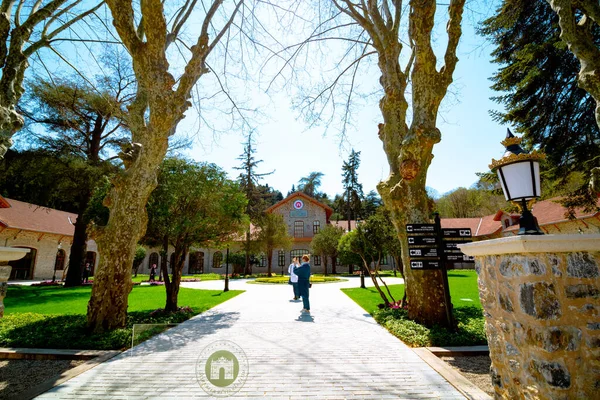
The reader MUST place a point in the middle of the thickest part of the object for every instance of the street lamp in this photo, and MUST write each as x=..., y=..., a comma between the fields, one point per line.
x=226, y=289
x=519, y=174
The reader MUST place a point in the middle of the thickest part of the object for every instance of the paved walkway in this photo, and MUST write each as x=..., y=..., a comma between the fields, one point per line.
x=337, y=353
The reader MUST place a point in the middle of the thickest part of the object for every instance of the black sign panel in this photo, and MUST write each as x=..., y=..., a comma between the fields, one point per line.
x=454, y=245
x=420, y=228
x=457, y=233
x=460, y=258
x=425, y=264
x=423, y=252
x=422, y=240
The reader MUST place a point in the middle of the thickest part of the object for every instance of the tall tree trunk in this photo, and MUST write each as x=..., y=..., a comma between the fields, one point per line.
x=172, y=284
x=269, y=262
x=79, y=246
x=333, y=262
x=409, y=149
x=248, y=266
x=107, y=308
x=325, y=264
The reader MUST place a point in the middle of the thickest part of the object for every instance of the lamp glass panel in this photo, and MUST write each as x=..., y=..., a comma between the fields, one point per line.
x=518, y=183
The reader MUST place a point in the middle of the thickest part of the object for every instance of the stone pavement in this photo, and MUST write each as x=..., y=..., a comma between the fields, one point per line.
x=339, y=352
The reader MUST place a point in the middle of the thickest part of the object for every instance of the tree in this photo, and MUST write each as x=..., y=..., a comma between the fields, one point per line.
x=272, y=233
x=354, y=191
x=374, y=30
x=310, y=184
x=249, y=182
x=159, y=105
x=538, y=85
x=24, y=30
x=325, y=244
x=193, y=204
x=140, y=254
x=371, y=203
x=84, y=121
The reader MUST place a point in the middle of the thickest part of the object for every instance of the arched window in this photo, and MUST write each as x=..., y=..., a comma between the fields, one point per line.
x=154, y=259
x=196, y=265
x=90, y=258
x=217, y=259
x=59, y=262
x=281, y=258
x=316, y=226
x=23, y=268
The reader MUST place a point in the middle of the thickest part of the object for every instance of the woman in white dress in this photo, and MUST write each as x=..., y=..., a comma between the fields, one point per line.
x=294, y=278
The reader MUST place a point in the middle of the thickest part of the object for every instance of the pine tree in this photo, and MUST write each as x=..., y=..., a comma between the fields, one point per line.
x=353, y=189
x=249, y=183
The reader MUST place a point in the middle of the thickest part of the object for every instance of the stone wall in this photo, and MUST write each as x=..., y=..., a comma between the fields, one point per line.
x=542, y=313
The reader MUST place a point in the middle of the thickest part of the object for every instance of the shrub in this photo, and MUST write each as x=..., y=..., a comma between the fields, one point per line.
x=470, y=328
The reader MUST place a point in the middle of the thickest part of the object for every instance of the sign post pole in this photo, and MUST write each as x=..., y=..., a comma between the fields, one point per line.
x=447, y=301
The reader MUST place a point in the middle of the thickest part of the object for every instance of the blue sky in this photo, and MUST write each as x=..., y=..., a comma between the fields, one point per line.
x=470, y=139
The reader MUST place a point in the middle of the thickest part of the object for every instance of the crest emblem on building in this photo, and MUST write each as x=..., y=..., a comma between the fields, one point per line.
x=222, y=368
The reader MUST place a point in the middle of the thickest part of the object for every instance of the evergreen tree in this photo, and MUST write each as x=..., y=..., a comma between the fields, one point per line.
x=353, y=189
x=249, y=183
x=310, y=184
x=538, y=82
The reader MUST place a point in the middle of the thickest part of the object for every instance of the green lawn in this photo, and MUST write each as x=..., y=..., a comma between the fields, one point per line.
x=202, y=277
x=467, y=312
x=285, y=278
x=59, y=300
x=54, y=317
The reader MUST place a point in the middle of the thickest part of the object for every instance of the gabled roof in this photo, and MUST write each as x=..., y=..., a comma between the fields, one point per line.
x=328, y=210
x=29, y=217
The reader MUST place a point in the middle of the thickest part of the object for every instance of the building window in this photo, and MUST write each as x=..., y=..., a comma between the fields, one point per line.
x=217, y=259
x=281, y=258
x=384, y=260
x=263, y=261
x=506, y=223
x=196, y=264
x=298, y=254
x=298, y=229
x=316, y=260
x=23, y=268
x=59, y=263
x=316, y=226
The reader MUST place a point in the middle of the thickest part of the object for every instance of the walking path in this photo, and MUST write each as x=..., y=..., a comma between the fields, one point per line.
x=339, y=352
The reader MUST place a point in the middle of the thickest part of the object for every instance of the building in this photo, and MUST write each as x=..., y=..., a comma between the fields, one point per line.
x=47, y=232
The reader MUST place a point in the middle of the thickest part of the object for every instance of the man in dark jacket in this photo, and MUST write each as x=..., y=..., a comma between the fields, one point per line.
x=303, y=272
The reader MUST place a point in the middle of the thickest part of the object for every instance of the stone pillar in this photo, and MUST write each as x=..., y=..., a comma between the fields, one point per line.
x=7, y=254
x=541, y=301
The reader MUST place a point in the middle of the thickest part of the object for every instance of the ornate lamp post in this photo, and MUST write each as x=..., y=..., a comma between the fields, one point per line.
x=519, y=174
x=226, y=289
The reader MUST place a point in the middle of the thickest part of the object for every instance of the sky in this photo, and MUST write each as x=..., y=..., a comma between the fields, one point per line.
x=292, y=150
x=470, y=138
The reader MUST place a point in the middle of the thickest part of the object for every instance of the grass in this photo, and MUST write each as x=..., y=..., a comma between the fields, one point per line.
x=467, y=312
x=55, y=317
x=285, y=279
x=202, y=277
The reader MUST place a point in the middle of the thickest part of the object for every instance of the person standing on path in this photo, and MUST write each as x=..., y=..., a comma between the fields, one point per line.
x=303, y=273
x=153, y=273
x=294, y=277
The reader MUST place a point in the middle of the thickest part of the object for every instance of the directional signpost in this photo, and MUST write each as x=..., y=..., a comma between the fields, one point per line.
x=431, y=247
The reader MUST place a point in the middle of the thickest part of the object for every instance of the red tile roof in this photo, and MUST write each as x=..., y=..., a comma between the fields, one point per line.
x=550, y=212
x=479, y=226
x=26, y=216
x=344, y=224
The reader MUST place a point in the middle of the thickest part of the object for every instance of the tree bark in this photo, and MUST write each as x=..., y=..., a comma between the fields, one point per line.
x=78, y=248
x=333, y=260
x=172, y=284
